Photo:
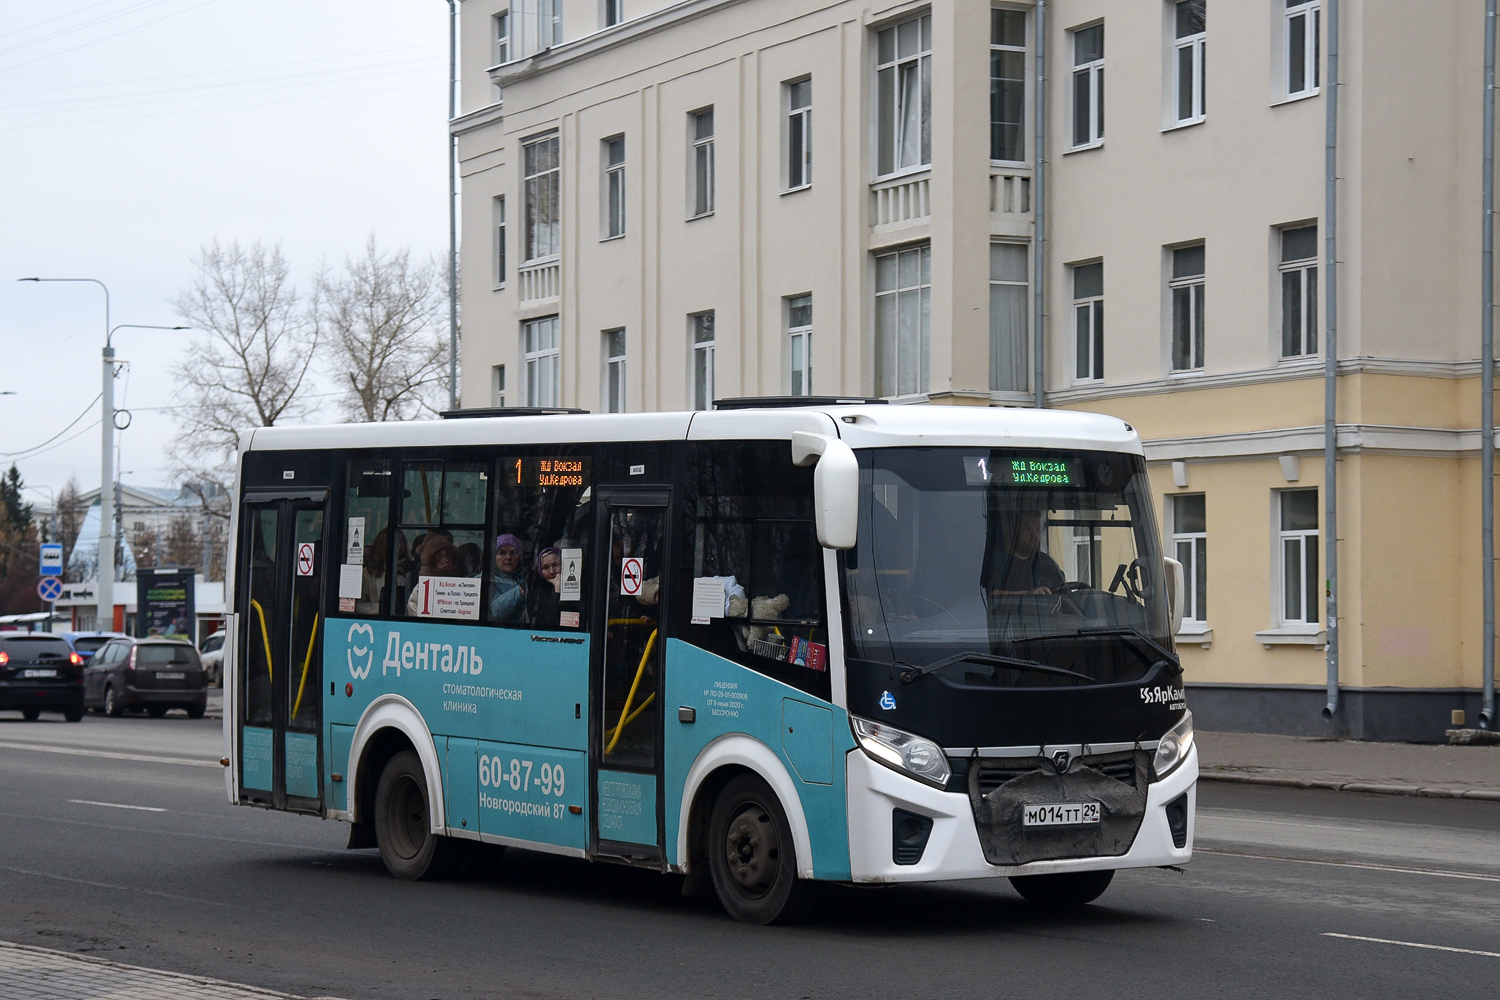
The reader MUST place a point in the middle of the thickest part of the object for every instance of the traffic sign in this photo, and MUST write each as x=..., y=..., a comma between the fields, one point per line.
x=631, y=575
x=49, y=589
x=52, y=559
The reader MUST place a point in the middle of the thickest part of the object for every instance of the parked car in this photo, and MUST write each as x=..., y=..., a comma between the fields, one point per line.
x=85, y=644
x=211, y=652
x=40, y=672
x=153, y=674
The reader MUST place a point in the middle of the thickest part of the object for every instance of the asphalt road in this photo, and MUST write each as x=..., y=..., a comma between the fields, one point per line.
x=1286, y=887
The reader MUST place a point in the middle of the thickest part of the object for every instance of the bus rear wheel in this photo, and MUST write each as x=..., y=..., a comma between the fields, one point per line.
x=403, y=832
x=1063, y=888
x=751, y=855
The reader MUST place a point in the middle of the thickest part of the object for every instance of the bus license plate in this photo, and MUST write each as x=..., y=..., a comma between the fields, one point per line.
x=38, y=673
x=1061, y=814
x=170, y=675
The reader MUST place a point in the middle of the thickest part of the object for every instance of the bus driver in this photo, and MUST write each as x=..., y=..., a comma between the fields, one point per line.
x=1017, y=564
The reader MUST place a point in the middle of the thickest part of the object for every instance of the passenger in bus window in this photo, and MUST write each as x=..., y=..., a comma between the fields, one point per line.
x=440, y=558
x=372, y=583
x=508, y=585
x=473, y=556
x=546, y=585
x=1017, y=565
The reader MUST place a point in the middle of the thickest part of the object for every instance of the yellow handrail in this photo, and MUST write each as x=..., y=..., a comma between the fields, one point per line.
x=264, y=636
x=630, y=621
x=625, y=715
x=305, y=665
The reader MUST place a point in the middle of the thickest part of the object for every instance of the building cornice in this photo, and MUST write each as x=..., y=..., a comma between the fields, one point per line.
x=1377, y=439
x=475, y=120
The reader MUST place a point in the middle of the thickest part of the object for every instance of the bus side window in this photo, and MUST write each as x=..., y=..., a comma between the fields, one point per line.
x=751, y=534
x=536, y=557
x=440, y=544
x=367, y=517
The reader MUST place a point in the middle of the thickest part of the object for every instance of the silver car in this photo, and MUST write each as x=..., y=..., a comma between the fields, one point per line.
x=211, y=652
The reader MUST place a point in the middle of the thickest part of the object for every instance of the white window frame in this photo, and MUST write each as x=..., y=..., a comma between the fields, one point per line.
x=497, y=225
x=611, y=12
x=499, y=47
x=701, y=358
x=541, y=361
x=799, y=330
x=892, y=377
x=612, y=398
x=540, y=24
x=545, y=184
x=898, y=151
x=1190, y=48
x=1092, y=73
x=796, y=137
x=1193, y=286
x=1025, y=50
x=1307, y=548
x=613, y=195
x=1312, y=64
x=1019, y=357
x=1191, y=549
x=1088, y=329
x=497, y=385
x=1306, y=270
x=701, y=166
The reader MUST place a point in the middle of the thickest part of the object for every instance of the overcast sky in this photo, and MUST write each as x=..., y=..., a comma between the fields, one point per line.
x=134, y=131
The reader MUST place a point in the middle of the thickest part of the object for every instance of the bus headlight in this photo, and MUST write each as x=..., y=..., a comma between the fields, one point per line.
x=902, y=751
x=1174, y=746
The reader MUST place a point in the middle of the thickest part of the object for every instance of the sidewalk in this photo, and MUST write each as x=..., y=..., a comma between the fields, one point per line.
x=1470, y=772
x=28, y=973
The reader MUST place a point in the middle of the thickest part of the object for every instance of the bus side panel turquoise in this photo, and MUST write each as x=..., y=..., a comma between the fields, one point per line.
x=302, y=765
x=627, y=807
x=461, y=784
x=255, y=753
x=729, y=698
x=340, y=739
x=526, y=793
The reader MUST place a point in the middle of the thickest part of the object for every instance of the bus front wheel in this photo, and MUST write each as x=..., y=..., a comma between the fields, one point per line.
x=407, y=844
x=1063, y=888
x=751, y=856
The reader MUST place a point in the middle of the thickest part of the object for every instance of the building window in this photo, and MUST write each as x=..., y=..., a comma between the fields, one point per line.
x=701, y=131
x=542, y=191
x=614, y=187
x=798, y=134
x=1008, y=85
x=1299, y=557
x=614, y=371
x=799, y=338
x=1191, y=43
x=903, y=81
x=497, y=385
x=1088, y=320
x=1187, y=308
x=1190, y=539
x=498, y=216
x=903, y=302
x=702, y=325
x=1009, y=307
x=541, y=358
x=614, y=12
x=1299, y=291
x=500, y=47
x=539, y=25
x=1301, y=29
x=1088, y=86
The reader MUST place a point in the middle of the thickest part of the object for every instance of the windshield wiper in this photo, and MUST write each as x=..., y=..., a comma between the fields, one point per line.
x=1109, y=631
x=910, y=671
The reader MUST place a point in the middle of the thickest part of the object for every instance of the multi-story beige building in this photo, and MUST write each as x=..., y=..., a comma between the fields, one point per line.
x=677, y=202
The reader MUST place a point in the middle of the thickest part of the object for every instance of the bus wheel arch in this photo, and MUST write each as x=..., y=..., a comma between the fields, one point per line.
x=389, y=725
x=717, y=765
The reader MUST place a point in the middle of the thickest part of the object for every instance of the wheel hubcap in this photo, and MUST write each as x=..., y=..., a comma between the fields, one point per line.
x=409, y=817
x=752, y=849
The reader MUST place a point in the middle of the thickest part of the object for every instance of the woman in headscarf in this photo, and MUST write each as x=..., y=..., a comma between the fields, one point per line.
x=508, y=583
x=546, y=585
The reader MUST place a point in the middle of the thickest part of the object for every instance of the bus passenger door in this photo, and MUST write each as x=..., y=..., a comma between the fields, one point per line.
x=281, y=653
x=626, y=696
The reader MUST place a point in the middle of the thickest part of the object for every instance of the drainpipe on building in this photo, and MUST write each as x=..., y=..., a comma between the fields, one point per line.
x=1331, y=360
x=452, y=206
x=1039, y=204
x=1487, y=370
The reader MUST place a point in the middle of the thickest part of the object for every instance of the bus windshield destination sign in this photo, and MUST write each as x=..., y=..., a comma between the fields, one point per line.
x=551, y=471
x=1022, y=470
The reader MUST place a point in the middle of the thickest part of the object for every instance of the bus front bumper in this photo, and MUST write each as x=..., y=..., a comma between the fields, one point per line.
x=953, y=850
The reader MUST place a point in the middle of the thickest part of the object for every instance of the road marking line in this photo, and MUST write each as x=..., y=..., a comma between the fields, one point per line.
x=1436, y=873
x=112, y=755
x=115, y=805
x=1413, y=944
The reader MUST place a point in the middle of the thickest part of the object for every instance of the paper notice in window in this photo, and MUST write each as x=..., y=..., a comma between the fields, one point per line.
x=351, y=578
x=570, y=576
x=356, y=551
x=708, y=599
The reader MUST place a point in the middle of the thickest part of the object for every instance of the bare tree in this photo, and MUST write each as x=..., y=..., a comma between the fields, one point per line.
x=381, y=317
x=250, y=370
x=70, y=513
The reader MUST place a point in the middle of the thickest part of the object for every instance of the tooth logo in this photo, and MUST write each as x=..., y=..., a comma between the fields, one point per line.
x=365, y=652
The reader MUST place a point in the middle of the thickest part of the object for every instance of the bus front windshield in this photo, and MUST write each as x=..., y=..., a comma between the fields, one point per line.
x=1007, y=567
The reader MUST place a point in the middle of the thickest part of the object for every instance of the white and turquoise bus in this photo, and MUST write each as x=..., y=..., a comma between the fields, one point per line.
x=760, y=646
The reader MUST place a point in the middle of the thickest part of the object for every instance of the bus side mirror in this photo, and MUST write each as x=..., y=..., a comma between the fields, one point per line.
x=1176, y=591
x=835, y=486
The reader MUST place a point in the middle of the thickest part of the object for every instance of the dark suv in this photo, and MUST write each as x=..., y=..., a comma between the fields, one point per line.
x=40, y=673
x=152, y=674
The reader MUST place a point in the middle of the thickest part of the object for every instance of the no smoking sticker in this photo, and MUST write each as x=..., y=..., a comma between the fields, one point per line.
x=631, y=575
x=305, y=558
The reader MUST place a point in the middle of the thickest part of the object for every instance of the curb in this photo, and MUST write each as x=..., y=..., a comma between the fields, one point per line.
x=1482, y=794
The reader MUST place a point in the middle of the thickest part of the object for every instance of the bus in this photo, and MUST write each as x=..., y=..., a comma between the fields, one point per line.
x=758, y=646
